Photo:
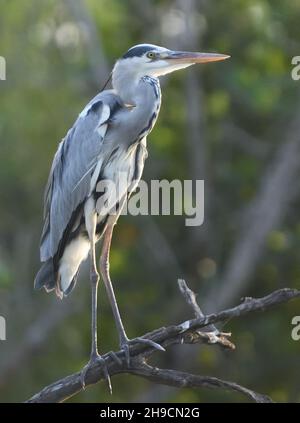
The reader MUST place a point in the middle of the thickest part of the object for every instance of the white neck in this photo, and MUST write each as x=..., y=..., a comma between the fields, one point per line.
x=125, y=80
x=127, y=74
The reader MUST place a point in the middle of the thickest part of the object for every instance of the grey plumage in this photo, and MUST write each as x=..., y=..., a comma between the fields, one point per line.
x=45, y=276
x=73, y=165
x=107, y=142
x=89, y=151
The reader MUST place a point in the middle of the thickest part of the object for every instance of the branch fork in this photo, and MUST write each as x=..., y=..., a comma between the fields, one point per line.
x=200, y=329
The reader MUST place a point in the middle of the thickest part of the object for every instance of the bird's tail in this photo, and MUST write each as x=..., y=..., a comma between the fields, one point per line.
x=45, y=277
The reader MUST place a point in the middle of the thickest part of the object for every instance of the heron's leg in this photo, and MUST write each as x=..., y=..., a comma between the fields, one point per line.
x=91, y=223
x=104, y=269
x=94, y=277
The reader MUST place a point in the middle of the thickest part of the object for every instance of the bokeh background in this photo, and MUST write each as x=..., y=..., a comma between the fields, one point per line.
x=235, y=124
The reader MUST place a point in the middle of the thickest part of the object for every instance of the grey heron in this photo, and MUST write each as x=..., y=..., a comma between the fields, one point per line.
x=107, y=139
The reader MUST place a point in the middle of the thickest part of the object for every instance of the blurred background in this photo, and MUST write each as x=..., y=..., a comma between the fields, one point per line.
x=235, y=124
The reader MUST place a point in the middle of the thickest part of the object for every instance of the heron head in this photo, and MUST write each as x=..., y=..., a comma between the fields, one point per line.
x=152, y=60
x=155, y=61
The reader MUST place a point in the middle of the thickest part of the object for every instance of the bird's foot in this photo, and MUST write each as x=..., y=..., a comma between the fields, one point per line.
x=95, y=359
x=127, y=342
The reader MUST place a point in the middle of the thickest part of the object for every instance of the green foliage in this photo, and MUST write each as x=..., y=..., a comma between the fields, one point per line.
x=49, y=82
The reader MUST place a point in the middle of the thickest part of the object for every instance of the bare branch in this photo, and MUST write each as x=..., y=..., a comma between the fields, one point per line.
x=188, y=380
x=166, y=336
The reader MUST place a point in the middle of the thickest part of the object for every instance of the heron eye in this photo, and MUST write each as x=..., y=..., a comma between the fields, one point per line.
x=151, y=55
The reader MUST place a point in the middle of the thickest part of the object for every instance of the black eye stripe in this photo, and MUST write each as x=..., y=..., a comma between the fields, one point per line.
x=137, y=51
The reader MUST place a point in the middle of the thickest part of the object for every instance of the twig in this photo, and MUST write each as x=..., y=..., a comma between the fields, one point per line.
x=210, y=334
x=177, y=334
x=190, y=298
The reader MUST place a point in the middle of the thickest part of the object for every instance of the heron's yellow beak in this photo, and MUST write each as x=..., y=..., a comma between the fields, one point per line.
x=178, y=57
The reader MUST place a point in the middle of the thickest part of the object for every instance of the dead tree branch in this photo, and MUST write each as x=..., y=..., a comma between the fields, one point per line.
x=187, y=380
x=185, y=332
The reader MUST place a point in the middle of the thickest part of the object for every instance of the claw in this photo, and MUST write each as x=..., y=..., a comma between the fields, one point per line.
x=149, y=342
x=83, y=374
x=93, y=360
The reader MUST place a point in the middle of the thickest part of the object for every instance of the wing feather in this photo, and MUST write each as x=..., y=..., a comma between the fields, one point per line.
x=73, y=169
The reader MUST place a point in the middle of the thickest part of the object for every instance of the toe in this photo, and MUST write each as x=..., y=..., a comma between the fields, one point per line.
x=150, y=343
x=125, y=348
x=83, y=375
x=93, y=360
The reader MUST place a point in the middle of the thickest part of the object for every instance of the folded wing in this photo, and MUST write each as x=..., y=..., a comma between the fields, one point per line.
x=73, y=169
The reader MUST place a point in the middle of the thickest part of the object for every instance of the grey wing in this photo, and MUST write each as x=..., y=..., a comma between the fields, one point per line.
x=74, y=169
